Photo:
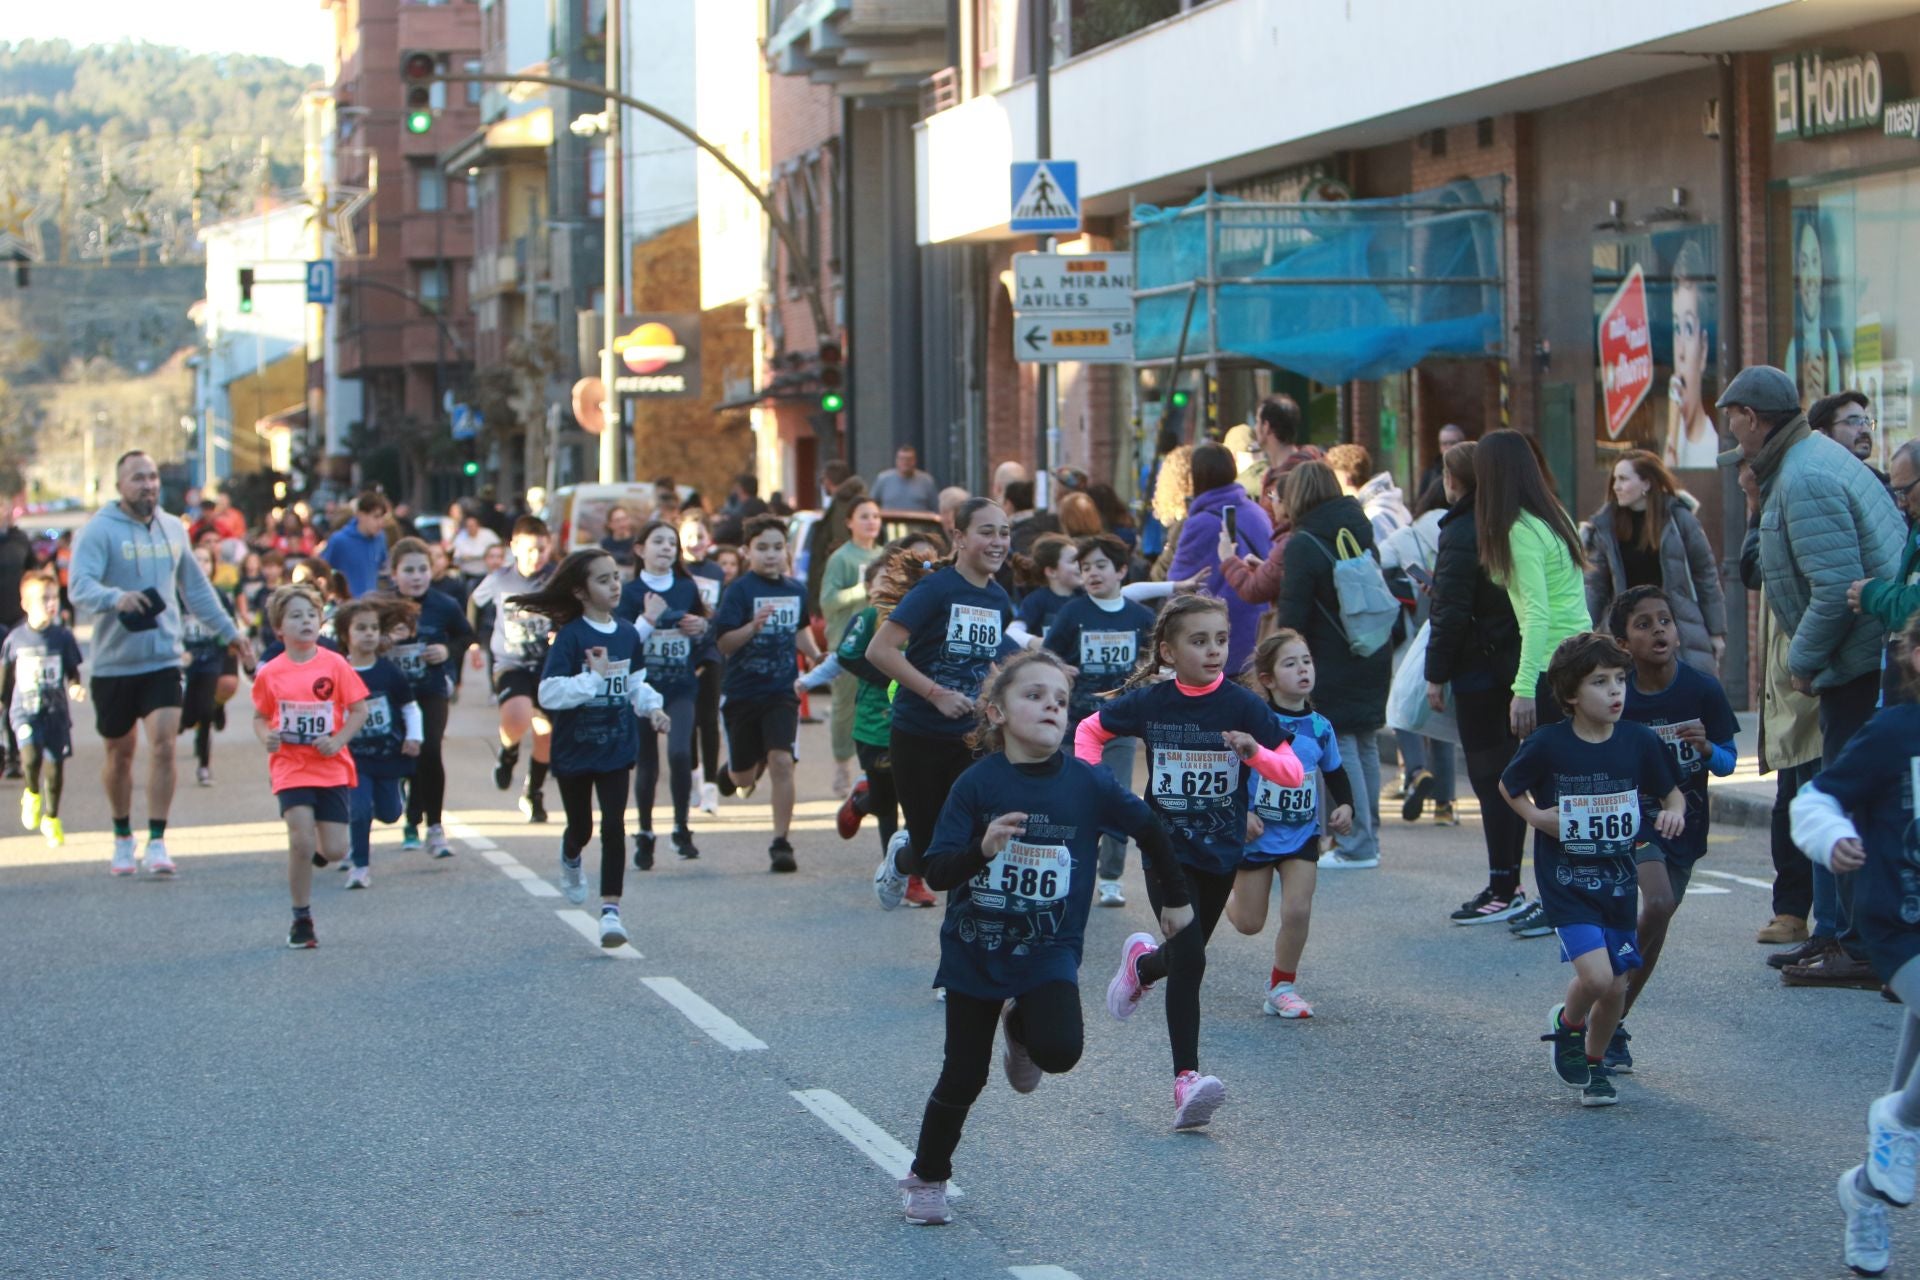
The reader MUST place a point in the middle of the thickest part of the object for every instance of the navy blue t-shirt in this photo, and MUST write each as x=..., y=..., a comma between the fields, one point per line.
x=442, y=620
x=520, y=637
x=201, y=643
x=671, y=655
x=1877, y=781
x=376, y=748
x=955, y=632
x=1693, y=696
x=1105, y=646
x=765, y=668
x=601, y=735
x=709, y=579
x=1039, y=608
x=40, y=665
x=1600, y=790
x=1021, y=921
x=1194, y=780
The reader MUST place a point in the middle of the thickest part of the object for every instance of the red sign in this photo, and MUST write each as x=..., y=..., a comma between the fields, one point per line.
x=1626, y=352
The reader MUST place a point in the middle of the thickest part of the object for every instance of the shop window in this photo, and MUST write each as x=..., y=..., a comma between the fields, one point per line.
x=429, y=187
x=1658, y=394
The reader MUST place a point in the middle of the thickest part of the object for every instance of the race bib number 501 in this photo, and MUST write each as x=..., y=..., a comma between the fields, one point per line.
x=1185, y=778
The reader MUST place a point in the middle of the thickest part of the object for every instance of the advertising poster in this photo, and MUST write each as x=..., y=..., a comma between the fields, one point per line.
x=1675, y=417
x=1820, y=350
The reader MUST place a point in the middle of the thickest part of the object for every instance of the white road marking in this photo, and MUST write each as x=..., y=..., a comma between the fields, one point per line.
x=538, y=888
x=1695, y=890
x=1749, y=881
x=729, y=1033
x=868, y=1138
x=499, y=857
x=1042, y=1273
x=514, y=871
x=589, y=928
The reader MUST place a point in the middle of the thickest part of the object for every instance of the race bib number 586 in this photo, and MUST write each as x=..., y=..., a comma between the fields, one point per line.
x=1029, y=873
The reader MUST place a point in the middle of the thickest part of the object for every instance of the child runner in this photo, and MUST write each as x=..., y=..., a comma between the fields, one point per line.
x=308, y=703
x=1283, y=825
x=1015, y=847
x=937, y=645
x=1587, y=775
x=696, y=542
x=41, y=672
x=593, y=686
x=1199, y=728
x=520, y=641
x=758, y=628
x=1102, y=634
x=663, y=601
x=387, y=747
x=1689, y=710
x=212, y=676
x=1862, y=815
x=427, y=647
x=1056, y=559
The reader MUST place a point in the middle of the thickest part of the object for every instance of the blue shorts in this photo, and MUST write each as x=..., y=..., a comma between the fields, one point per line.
x=1621, y=946
x=1253, y=858
x=329, y=804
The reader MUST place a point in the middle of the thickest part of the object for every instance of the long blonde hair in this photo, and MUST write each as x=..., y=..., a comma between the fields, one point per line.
x=1173, y=487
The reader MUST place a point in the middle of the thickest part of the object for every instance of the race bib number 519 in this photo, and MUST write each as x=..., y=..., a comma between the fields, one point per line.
x=305, y=722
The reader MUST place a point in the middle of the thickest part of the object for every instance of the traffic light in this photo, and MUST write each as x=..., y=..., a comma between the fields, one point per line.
x=416, y=73
x=246, y=290
x=1179, y=399
x=471, y=467
x=832, y=378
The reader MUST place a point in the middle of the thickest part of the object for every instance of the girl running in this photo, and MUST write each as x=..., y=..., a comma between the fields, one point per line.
x=41, y=673
x=427, y=646
x=663, y=601
x=696, y=547
x=1055, y=575
x=1016, y=847
x=1199, y=729
x=592, y=686
x=212, y=674
x=386, y=749
x=1283, y=825
x=1862, y=814
x=937, y=645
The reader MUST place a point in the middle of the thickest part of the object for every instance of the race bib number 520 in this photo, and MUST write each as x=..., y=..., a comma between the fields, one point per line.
x=1184, y=778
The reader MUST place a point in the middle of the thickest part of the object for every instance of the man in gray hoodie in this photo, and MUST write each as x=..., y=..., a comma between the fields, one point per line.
x=133, y=570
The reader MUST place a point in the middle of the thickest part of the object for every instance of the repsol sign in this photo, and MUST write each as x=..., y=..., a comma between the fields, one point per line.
x=1819, y=93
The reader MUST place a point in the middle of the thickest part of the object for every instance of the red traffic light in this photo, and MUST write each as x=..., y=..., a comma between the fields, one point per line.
x=418, y=66
x=831, y=375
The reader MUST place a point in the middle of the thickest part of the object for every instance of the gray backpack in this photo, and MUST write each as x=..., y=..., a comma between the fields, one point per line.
x=1368, y=610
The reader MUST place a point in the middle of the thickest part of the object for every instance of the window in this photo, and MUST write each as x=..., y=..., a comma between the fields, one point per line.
x=429, y=188
x=596, y=181
x=430, y=282
x=475, y=89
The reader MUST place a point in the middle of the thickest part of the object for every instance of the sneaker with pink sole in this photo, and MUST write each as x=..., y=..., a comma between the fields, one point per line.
x=1195, y=1099
x=1284, y=1002
x=1124, y=992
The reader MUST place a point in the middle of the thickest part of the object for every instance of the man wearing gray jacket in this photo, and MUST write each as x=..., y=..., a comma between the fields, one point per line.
x=133, y=570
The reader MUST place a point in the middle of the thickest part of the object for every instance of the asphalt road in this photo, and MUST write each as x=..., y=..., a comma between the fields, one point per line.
x=458, y=1083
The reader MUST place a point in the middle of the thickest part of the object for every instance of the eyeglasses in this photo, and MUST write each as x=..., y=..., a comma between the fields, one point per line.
x=1858, y=422
x=1902, y=490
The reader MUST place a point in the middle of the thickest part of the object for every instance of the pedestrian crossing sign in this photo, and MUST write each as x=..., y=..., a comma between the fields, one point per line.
x=1046, y=196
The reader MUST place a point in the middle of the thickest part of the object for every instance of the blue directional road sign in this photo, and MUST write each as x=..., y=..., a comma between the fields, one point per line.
x=1046, y=196
x=320, y=282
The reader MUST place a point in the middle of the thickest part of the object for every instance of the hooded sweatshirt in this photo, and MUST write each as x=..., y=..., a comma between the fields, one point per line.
x=115, y=553
x=1385, y=506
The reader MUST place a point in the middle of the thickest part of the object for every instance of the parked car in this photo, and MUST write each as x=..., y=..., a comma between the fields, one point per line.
x=577, y=513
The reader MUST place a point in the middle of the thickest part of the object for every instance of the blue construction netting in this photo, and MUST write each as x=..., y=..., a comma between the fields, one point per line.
x=1355, y=289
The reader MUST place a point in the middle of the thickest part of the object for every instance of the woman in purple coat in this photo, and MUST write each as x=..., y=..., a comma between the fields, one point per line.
x=1215, y=492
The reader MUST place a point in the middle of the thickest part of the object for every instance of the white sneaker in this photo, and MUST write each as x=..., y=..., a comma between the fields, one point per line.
x=360, y=877
x=1332, y=859
x=925, y=1202
x=1869, y=1243
x=1195, y=1099
x=1891, y=1149
x=1124, y=992
x=612, y=932
x=710, y=797
x=573, y=880
x=889, y=882
x=1110, y=895
x=123, y=863
x=158, y=863
x=1284, y=1002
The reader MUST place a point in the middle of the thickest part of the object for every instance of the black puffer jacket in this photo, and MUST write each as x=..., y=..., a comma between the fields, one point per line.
x=1349, y=690
x=1475, y=642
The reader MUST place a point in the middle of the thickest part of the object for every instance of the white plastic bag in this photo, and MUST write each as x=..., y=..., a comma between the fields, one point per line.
x=1407, y=708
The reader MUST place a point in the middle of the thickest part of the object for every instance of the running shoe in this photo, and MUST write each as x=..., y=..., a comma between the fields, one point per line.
x=1022, y=1074
x=1619, y=1058
x=1487, y=906
x=709, y=798
x=437, y=845
x=360, y=877
x=684, y=846
x=1531, y=923
x=1569, y=1050
x=1809, y=950
x=410, y=839
x=1419, y=787
x=1336, y=862
x=612, y=932
x=1110, y=894
x=889, y=883
x=1891, y=1150
x=852, y=810
x=504, y=759
x=1444, y=816
x=29, y=810
x=918, y=895
x=780, y=856
x=319, y=860
x=302, y=937
x=643, y=851
x=55, y=833
x=1124, y=992
x=203, y=775
x=573, y=880
x=1599, y=1090
x=534, y=806
x=123, y=863
x=925, y=1202
x=1869, y=1243
x=158, y=863
x=1284, y=1002
x=1195, y=1099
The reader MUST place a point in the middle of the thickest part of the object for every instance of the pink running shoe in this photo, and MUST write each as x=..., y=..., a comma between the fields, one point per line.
x=1195, y=1099
x=1124, y=992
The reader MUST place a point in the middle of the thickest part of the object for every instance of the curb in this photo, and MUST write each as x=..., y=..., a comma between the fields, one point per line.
x=1728, y=807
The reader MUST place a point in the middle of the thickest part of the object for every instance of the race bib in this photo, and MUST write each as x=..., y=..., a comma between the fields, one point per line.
x=1604, y=825
x=709, y=589
x=411, y=658
x=617, y=684
x=971, y=627
x=1026, y=875
x=1188, y=778
x=379, y=722
x=304, y=723
x=528, y=632
x=194, y=633
x=37, y=676
x=786, y=612
x=1107, y=651
x=1683, y=753
x=668, y=649
x=1290, y=806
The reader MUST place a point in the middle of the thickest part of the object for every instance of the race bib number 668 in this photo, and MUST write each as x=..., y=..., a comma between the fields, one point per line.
x=971, y=626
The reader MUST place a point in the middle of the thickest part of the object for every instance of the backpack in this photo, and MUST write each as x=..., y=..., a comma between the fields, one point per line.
x=1368, y=611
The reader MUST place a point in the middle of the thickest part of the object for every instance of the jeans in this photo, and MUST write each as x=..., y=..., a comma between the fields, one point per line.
x=1360, y=757
x=372, y=798
x=1117, y=758
x=1418, y=753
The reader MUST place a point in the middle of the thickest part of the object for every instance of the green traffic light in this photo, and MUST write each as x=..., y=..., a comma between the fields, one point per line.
x=471, y=468
x=832, y=402
x=1179, y=399
x=419, y=121
x=246, y=306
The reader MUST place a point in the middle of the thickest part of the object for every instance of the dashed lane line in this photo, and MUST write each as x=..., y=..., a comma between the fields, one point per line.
x=1749, y=881
x=868, y=1138
x=729, y=1033
x=1042, y=1273
x=589, y=928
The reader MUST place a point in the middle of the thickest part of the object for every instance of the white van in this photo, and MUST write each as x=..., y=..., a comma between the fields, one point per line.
x=576, y=514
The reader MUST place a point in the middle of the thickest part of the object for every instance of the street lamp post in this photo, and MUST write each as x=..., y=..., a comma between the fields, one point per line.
x=612, y=426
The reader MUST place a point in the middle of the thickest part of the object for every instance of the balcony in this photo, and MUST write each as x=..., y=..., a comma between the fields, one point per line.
x=442, y=28
x=864, y=48
x=425, y=236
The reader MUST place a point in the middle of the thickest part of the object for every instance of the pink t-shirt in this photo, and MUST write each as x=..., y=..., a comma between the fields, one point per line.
x=304, y=702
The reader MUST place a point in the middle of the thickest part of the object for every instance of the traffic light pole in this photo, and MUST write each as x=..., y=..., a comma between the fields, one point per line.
x=1046, y=433
x=612, y=420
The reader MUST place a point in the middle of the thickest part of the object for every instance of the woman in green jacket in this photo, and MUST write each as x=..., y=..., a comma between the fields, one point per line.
x=843, y=593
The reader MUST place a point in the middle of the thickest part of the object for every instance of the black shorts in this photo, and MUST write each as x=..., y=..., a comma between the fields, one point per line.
x=329, y=804
x=120, y=703
x=757, y=727
x=515, y=682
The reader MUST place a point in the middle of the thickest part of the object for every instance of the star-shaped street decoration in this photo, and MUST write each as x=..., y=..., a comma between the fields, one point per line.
x=339, y=206
x=124, y=219
x=21, y=216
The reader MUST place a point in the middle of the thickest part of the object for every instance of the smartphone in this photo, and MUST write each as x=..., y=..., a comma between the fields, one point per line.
x=1421, y=578
x=1233, y=524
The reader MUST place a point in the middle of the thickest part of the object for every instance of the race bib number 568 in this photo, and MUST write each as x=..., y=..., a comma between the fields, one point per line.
x=1600, y=824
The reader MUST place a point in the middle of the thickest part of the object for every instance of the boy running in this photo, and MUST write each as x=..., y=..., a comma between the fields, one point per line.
x=519, y=643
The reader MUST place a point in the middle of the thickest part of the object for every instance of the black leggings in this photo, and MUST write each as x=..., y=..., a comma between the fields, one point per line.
x=707, y=719
x=1046, y=1020
x=646, y=778
x=1182, y=960
x=1488, y=744
x=56, y=780
x=882, y=801
x=427, y=791
x=578, y=791
x=925, y=770
x=197, y=708
x=1792, y=872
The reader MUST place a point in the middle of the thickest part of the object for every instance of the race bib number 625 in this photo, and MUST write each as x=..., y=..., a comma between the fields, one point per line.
x=1196, y=778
